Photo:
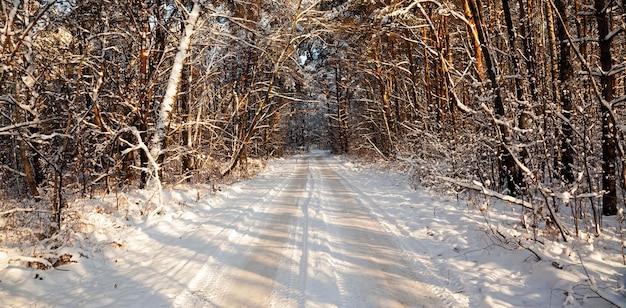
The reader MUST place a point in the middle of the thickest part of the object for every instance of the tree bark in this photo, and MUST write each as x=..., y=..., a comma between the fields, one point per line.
x=344, y=112
x=609, y=140
x=518, y=176
x=187, y=141
x=28, y=170
x=385, y=101
x=565, y=74
x=507, y=164
x=141, y=119
x=472, y=30
x=160, y=137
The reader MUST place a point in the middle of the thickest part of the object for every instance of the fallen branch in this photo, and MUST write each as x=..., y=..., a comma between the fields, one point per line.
x=35, y=263
x=538, y=258
x=488, y=192
x=375, y=147
x=16, y=210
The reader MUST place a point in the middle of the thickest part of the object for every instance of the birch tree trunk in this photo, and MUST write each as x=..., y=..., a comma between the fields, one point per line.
x=160, y=137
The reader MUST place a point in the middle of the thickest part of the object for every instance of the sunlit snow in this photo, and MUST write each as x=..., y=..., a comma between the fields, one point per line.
x=314, y=230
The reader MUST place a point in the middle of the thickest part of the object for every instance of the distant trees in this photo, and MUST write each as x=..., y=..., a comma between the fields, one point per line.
x=521, y=96
x=98, y=96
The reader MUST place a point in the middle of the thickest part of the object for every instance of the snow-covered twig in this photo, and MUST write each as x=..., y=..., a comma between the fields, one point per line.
x=153, y=163
x=9, y=128
x=28, y=210
x=593, y=285
x=530, y=249
x=46, y=264
x=488, y=192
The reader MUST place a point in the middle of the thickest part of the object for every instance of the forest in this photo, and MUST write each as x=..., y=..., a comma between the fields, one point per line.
x=521, y=101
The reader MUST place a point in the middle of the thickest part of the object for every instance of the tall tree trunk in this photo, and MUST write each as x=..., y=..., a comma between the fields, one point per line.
x=331, y=133
x=525, y=107
x=609, y=139
x=519, y=92
x=473, y=32
x=518, y=176
x=340, y=136
x=344, y=112
x=165, y=110
x=507, y=164
x=554, y=55
x=144, y=101
x=385, y=101
x=428, y=85
x=566, y=155
x=28, y=170
x=409, y=116
x=187, y=141
x=440, y=81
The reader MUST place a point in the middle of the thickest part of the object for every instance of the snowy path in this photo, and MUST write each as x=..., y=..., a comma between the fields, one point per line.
x=310, y=242
x=311, y=231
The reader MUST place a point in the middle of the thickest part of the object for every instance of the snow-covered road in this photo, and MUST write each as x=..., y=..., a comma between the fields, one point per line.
x=311, y=240
x=311, y=230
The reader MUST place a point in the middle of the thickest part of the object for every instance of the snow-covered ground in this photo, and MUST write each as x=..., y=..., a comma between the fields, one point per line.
x=314, y=230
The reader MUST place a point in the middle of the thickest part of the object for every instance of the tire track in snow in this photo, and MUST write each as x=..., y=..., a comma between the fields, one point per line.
x=256, y=278
x=326, y=258
x=356, y=276
x=372, y=274
x=310, y=241
x=204, y=286
x=419, y=263
x=290, y=280
x=304, y=240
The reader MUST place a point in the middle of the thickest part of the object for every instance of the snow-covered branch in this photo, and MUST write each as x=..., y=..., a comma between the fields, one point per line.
x=140, y=145
x=22, y=210
x=488, y=192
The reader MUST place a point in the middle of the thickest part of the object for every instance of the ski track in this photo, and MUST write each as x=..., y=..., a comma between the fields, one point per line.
x=314, y=256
